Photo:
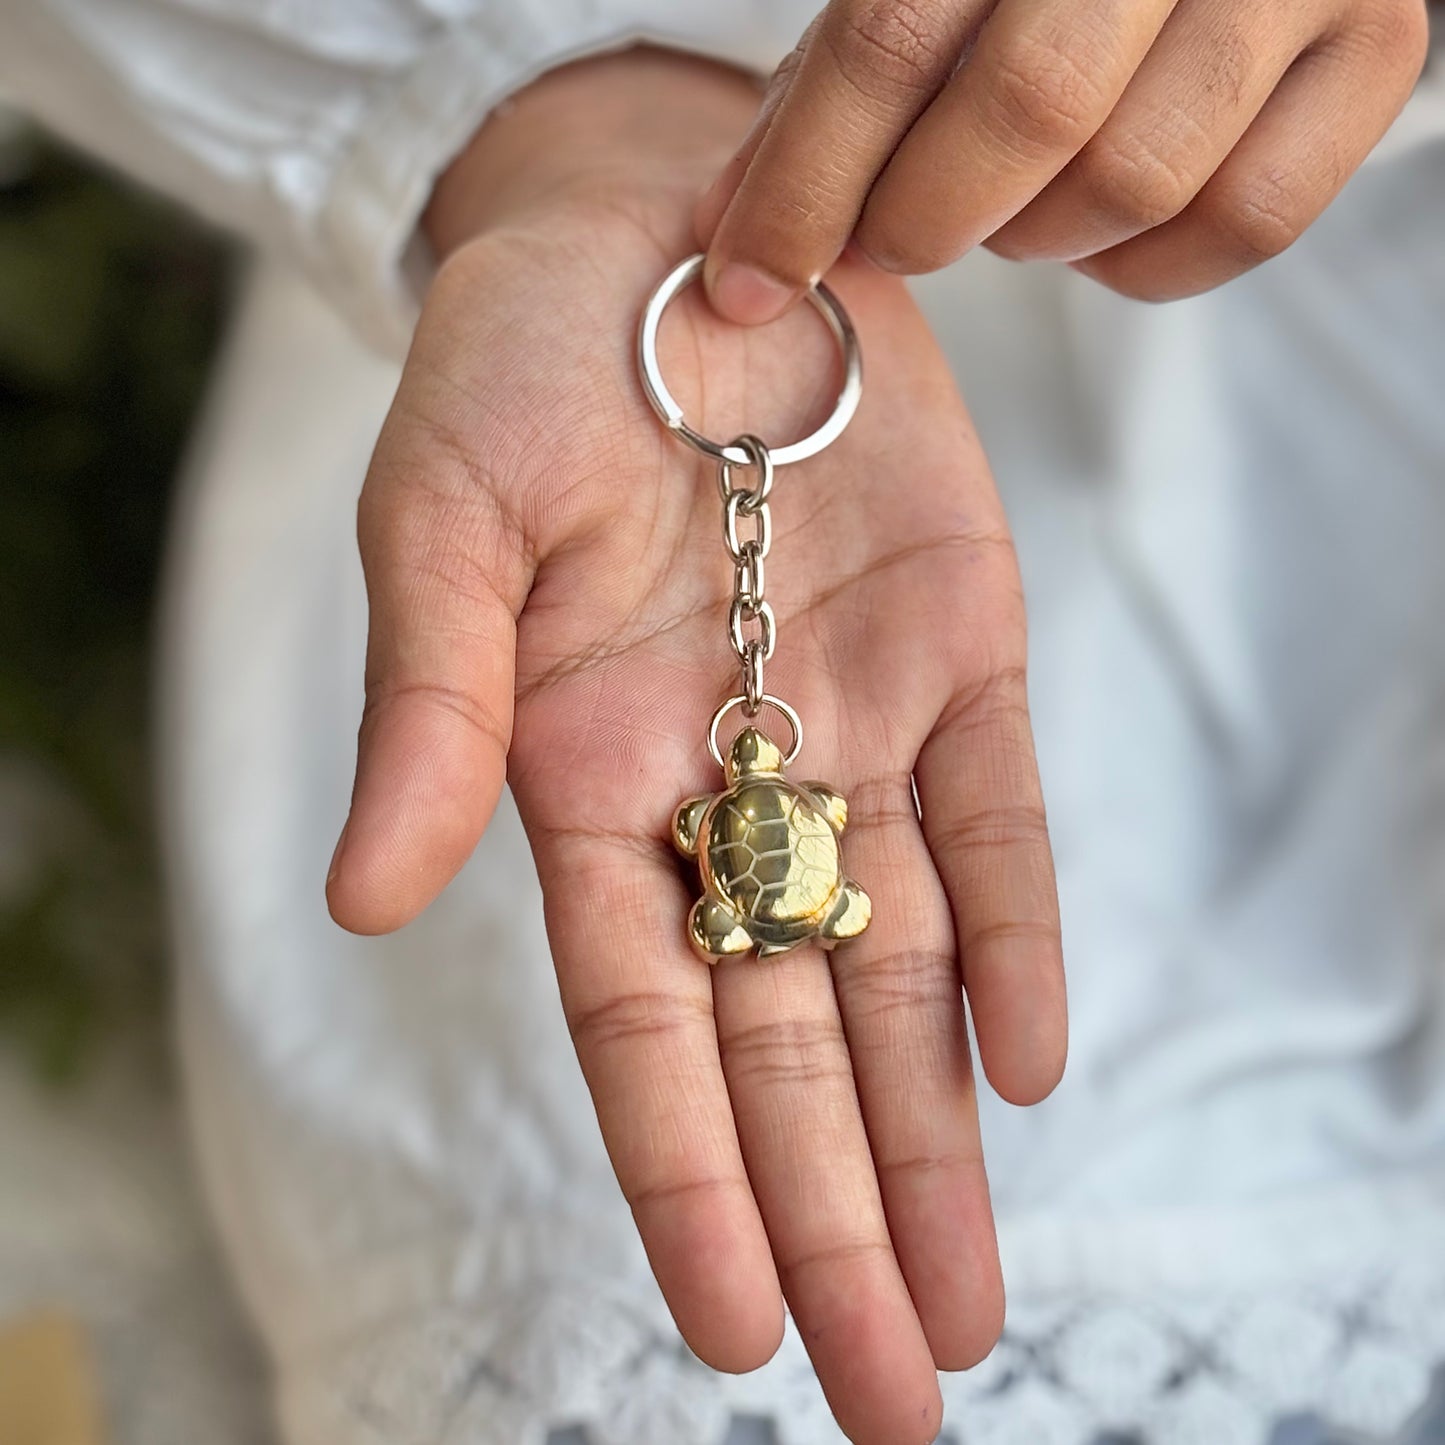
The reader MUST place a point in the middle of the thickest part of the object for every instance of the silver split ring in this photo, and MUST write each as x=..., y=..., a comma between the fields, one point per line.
x=665, y=405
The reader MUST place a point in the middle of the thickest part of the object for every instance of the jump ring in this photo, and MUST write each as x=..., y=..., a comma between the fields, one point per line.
x=665, y=405
x=753, y=497
x=749, y=579
x=767, y=700
x=753, y=689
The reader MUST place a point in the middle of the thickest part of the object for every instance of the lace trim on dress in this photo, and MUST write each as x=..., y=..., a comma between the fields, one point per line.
x=1354, y=1340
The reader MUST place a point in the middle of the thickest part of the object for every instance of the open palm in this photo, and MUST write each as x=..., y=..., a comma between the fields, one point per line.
x=549, y=597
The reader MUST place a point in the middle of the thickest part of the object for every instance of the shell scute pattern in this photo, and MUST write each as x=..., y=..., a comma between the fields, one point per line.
x=772, y=853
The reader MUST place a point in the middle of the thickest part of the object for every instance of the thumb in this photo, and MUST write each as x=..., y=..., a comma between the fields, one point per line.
x=446, y=577
x=714, y=201
x=857, y=82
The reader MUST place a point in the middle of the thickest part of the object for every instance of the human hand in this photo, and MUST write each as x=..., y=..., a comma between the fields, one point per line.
x=1161, y=146
x=548, y=597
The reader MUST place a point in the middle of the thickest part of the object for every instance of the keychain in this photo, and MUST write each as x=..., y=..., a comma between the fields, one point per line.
x=767, y=849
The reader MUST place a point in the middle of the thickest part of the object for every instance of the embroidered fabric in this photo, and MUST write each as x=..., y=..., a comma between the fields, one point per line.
x=1355, y=1345
x=548, y=1328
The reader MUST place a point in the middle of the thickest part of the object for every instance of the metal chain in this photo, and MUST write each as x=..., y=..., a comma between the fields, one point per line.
x=752, y=627
x=750, y=608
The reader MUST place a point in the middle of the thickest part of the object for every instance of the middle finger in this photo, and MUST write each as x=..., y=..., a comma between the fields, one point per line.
x=1043, y=77
x=786, y=1062
x=1194, y=96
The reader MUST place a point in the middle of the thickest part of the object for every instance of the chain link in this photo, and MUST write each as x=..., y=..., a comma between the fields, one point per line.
x=743, y=612
x=745, y=483
x=758, y=456
x=753, y=693
x=762, y=519
x=748, y=575
x=750, y=607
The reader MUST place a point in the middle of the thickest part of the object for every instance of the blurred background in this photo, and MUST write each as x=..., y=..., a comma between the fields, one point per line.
x=111, y=305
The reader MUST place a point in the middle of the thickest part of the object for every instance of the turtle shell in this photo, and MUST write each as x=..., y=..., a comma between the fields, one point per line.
x=772, y=853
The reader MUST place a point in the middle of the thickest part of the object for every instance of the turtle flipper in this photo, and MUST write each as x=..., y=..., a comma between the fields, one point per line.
x=685, y=824
x=772, y=950
x=849, y=915
x=835, y=805
x=715, y=931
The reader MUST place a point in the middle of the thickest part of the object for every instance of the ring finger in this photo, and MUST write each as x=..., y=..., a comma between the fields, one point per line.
x=1215, y=65
x=1323, y=119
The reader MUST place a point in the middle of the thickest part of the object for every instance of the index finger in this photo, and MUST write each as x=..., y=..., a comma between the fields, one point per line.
x=639, y=1005
x=867, y=70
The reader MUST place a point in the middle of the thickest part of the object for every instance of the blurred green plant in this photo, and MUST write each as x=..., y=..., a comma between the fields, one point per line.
x=110, y=309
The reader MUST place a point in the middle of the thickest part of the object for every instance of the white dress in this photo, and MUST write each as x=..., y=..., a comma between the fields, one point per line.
x=1231, y=516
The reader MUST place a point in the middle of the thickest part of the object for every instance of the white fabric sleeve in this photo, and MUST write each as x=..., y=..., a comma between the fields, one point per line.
x=317, y=127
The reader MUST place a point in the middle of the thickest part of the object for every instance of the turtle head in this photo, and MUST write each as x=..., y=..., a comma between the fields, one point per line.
x=753, y=752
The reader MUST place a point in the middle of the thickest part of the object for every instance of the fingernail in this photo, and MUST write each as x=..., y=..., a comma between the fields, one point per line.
x=745, y=294
x=336, y=855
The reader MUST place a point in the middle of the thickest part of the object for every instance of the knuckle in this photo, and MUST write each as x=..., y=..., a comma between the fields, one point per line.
x=632, y=1017
x=788, y=1054
x=1133, y=181
x=912, y=249
x=1235, y=58
x=799, y=215
x=1414, y=23
x=1397, y=31
x=879, y=800
x=910, y=984
x=945, y=1163
x=1043, y=96
x=1134, y=282
x=432, y=507
x=643, y=1197
x=885, y=49
x=989, y=827
x=471, y=710
x=450, y=282
x=1261, y=219
x=787, y=68
x=999, y=704
x=443, y=563
x=835, y=1253
x=1008, y=931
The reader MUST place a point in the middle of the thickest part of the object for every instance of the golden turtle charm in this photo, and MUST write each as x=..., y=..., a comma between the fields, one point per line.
x=767, y=850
